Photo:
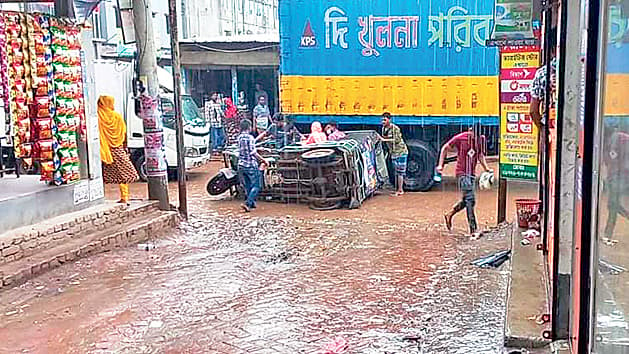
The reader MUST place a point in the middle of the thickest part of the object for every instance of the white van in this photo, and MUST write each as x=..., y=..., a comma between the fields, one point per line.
x=116, y=79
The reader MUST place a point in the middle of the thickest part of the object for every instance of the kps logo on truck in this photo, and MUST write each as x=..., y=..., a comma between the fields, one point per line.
x=308, y=39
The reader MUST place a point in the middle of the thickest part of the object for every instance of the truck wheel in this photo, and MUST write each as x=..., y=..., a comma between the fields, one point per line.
x=422, y=160
x=140, y=165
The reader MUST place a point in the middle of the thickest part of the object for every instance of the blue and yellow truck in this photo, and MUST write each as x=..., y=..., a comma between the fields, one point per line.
x=425, y=62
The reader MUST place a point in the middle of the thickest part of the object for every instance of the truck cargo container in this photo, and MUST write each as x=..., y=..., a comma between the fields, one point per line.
x=425, y=62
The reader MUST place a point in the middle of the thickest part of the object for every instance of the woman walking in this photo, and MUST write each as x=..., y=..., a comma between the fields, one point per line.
x=117, y=166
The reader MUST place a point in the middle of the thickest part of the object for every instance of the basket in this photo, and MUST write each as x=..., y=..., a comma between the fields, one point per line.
x=527, y=208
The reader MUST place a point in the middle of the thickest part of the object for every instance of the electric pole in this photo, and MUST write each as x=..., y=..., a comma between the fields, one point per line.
x=155, y=160
x=181, y=163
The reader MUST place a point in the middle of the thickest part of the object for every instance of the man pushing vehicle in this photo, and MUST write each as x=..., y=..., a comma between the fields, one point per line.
x=470, y=149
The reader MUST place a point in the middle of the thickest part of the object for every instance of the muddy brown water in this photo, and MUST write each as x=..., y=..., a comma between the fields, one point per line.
x=387, y=278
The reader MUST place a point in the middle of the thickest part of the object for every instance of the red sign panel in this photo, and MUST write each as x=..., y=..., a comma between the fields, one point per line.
x=518, y=74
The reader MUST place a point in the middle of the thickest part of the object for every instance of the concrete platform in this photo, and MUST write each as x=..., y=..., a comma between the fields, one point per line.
x=27, y=200
x=12, y=187
x=527, y=295
x=31, y=250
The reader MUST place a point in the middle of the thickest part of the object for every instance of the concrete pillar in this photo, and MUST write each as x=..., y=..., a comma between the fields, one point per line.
x=234, y=74
x=147, y=64
x=568, y=85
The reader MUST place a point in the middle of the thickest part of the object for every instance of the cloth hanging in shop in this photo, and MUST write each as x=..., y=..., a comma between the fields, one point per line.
x=113, y=130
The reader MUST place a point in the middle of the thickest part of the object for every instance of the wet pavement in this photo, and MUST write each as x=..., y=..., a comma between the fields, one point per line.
x=387, y=278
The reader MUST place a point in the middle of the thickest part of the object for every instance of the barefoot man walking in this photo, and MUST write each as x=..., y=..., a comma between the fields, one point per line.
x=470, y=149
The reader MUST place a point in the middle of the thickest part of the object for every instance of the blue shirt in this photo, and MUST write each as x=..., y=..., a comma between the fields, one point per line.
x=247, y=151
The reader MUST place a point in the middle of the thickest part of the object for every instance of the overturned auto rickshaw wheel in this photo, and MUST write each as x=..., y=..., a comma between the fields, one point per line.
x=318, y=156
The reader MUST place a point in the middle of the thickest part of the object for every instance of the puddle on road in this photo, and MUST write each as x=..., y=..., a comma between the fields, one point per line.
x=263, y=283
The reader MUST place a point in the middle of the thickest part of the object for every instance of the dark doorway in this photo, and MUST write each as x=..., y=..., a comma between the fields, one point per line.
x=201, y=82
x=267, y=77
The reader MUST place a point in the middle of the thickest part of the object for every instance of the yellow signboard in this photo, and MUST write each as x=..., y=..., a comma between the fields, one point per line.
x=518, y=142
x=519, y=60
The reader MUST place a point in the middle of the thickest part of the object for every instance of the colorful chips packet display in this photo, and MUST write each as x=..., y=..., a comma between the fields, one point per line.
x=41, y=86
x=68, y=92
x=15, y=83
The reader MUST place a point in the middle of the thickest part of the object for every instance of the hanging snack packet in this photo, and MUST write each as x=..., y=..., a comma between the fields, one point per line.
x=44, y=128
x=47, y=170
x=45, y=149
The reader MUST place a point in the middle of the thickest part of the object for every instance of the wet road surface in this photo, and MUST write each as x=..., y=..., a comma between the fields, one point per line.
x=387, y=278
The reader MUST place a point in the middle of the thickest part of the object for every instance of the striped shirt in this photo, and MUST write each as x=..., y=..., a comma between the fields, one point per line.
x=247, y=151
x=214, y=114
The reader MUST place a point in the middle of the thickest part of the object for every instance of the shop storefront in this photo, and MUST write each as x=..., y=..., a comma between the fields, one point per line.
x=231, y=65
x=50, y=129
x=607, y=229
x=588, y=218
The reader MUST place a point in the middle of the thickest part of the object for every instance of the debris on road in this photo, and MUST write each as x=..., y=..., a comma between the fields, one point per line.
x=530, y=233
x=494, y=260
x=146, y=246
x=610, y=268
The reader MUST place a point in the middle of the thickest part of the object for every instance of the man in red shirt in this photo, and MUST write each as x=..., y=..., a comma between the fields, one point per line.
x=470, y=149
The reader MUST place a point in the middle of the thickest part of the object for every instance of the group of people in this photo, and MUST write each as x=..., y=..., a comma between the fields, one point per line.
x=468, y=145
x=221, y=113
x=224, y=116
x=282, y=133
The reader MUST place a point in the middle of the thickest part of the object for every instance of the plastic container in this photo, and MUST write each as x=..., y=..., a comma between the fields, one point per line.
x=527, y=210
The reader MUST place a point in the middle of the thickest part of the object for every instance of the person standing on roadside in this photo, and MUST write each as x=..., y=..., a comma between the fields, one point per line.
x=214, y=112
x=248, y=165
x=470, y=149
x=260, y=92
x=117, y=166
x=261, y=115
x=232, y=124
x=398, y=151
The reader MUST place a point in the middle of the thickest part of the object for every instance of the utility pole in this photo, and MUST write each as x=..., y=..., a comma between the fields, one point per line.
x=147, y=64
x=181, y=162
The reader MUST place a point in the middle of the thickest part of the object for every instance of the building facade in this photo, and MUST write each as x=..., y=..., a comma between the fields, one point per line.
x=201, y=19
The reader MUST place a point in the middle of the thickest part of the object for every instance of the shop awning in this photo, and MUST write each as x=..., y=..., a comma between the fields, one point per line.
x=246, y=50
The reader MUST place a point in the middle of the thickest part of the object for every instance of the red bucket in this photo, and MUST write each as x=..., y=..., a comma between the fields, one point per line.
x=528, y=209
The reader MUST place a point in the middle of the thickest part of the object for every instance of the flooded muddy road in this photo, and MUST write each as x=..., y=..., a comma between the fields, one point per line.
x=386, y=278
